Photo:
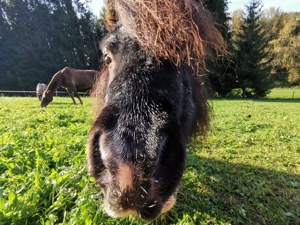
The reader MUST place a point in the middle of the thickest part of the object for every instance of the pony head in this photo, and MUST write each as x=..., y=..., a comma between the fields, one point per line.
x=151, y=97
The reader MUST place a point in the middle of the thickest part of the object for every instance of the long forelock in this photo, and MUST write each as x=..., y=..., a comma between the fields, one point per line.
x=181, y=31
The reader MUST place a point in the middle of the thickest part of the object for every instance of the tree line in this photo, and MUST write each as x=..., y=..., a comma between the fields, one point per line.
x=40, y=37
x=263, y=48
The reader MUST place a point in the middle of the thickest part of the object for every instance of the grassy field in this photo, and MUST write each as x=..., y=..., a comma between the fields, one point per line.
x=284, y=93
x=247, y=171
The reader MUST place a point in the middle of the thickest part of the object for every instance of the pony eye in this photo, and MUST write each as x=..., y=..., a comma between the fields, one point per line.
x=107, y=59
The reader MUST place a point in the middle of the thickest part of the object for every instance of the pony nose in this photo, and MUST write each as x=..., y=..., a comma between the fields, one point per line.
x=150, y=212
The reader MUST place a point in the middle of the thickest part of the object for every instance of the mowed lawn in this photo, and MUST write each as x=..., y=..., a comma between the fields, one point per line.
x=247, y=170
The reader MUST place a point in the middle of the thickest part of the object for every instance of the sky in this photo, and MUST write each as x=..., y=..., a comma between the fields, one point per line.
x=285, y=5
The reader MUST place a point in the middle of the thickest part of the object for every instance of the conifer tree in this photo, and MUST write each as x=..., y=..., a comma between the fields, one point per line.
x=38, y=38
x=5, y=62
x=250, y=48
x=219, y=68
x=219, y=10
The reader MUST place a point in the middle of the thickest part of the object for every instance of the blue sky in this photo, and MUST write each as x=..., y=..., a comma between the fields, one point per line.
x=285, y=5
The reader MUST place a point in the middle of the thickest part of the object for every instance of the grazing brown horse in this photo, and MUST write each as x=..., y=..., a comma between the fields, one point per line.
x=70, y=79
x=153, y=97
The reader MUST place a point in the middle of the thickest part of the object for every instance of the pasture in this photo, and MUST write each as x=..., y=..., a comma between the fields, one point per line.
x=247, y=170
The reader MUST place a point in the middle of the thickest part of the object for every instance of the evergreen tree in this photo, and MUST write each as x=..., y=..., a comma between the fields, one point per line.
x=5, y=41
x=219, y=10
x=253, y=69
x=220, y=68
x=40, y=37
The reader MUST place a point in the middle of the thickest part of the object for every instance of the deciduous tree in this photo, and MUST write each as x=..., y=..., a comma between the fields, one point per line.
x=285, y=46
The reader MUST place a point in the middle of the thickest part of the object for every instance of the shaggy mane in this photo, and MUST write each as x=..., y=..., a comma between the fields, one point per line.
x=181, y=31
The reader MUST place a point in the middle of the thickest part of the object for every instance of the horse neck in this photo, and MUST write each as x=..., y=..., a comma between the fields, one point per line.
x=55, y=83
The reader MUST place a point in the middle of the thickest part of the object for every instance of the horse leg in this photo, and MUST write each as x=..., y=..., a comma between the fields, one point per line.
x=71, y=95
x=78, y=96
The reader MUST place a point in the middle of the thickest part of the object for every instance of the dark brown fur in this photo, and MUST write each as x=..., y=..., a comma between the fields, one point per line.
x=151, y=97
x=70, y=79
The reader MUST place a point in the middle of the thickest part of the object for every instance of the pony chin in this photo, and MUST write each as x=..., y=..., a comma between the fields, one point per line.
x=120, y=214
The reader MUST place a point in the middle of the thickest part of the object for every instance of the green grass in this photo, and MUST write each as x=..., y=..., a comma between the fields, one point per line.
x=247, y=171
x=285, y=93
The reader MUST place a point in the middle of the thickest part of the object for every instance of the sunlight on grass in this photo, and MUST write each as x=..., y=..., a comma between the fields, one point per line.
x=285, y=93
x=247, y=171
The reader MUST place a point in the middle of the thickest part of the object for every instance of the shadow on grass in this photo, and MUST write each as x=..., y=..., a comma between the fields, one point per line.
x=219, y=192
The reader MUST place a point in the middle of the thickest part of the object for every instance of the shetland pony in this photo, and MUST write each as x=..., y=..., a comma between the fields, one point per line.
x=40, y=88
x=152, y=96
x=70, y=79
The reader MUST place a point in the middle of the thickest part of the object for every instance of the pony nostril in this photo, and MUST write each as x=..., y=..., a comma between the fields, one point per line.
x=150, y=211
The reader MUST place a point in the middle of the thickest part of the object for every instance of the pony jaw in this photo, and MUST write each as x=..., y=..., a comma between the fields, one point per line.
x=169, y=204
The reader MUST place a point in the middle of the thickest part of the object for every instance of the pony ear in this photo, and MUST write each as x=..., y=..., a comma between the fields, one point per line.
x=110, y=15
